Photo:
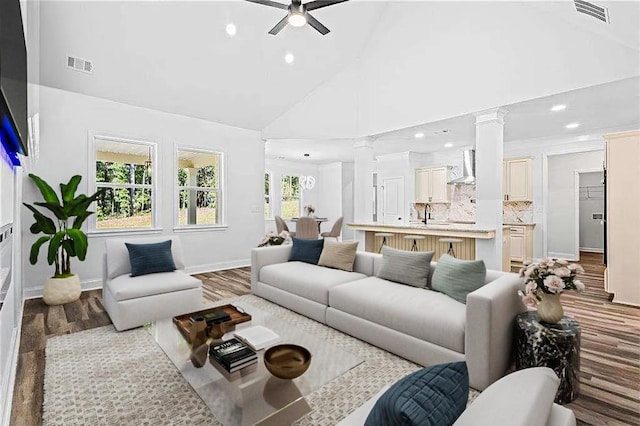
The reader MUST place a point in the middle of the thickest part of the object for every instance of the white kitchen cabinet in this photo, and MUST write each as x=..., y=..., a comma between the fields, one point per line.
x=431, y=185
x=622, y=156
x=521, y=242
x=517, y=179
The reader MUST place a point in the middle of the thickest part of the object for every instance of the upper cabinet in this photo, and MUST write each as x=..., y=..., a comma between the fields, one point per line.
x=431, y=185
x=517, y=179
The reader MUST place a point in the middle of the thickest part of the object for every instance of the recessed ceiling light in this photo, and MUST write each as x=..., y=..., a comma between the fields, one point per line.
x=419, y=135
x=289, y=58
x=572, y=125
x=448, y=145
x=231, y=30
x=559, y=107
x=306, y=154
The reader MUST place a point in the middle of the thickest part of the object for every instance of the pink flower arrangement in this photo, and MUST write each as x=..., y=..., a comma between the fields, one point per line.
x=551, y=276
x=273, y=239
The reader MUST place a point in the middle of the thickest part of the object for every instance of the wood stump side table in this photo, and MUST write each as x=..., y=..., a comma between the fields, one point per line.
x=556, y=346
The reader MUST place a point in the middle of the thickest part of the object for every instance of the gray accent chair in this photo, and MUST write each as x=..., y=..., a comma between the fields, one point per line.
x=281, y=225
x=336, y=230
x=307, y=228
x=134, y=301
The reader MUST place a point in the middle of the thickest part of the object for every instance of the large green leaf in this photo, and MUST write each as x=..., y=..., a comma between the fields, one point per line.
x=68, y=247
x=80, y=242
x=56, y=209
x=47, y=192
x=46, y=224
x=35, y=249
x=77, y=223
x=54, y=246
x=35, y=228
x=81, y=203
x=68, y=191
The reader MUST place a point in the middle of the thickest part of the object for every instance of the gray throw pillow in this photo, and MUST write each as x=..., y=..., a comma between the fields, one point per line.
x=406, y=267
x=456, y=278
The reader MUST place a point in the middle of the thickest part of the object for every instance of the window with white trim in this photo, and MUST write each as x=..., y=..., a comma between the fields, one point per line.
x=124, y=169
x=267, y=196
x=290, y=201
x=199, y=195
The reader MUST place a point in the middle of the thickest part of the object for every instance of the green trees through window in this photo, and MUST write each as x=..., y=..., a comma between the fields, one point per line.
x=290, y=202
x=199, y=189
x=124, y=171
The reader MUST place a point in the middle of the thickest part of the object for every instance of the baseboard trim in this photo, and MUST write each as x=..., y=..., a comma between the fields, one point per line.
x=93, y=284
x=591, y=250
x=567, y=256
x=219, y=266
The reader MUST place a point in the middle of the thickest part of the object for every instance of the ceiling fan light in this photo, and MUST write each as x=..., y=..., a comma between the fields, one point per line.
x=297, y=19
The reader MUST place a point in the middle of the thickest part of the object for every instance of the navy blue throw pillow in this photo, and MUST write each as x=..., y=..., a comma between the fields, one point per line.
x=433, y=396
x=306, y=250
x=150, y=258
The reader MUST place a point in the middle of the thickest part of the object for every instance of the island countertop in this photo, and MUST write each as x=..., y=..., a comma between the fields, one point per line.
x=464, y=230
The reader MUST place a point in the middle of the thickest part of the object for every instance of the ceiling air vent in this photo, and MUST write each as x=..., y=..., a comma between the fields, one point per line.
x=79, y=64
x=598, y=12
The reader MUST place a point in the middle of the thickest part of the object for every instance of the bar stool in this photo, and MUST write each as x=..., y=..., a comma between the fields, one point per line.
x=415, y=239
x=384, y=236
x=451, y=242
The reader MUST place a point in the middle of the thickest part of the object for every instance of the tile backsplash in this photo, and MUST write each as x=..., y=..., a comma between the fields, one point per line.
x=463, y=208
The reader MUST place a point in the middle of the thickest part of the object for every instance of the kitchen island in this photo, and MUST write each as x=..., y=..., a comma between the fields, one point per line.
x=432, y=232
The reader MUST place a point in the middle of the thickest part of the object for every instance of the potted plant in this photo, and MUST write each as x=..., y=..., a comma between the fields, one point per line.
x=66, y=240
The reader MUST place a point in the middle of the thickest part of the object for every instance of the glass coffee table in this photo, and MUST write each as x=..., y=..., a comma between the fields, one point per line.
x=252, y=395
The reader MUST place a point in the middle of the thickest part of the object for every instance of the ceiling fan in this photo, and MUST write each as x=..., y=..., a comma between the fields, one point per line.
x=298, y=13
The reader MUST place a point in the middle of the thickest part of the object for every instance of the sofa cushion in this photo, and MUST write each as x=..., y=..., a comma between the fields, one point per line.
x=433, y=396
x=118, y=256
x=125, y=287
x=406, y=267
x=305, y=280
x=523, y=398
x=150, y=258
x=306, y=250
x=457, y=278
x=421, y=313
x=338, y=255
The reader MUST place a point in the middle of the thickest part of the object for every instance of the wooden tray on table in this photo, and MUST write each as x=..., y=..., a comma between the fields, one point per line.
x=237, y=316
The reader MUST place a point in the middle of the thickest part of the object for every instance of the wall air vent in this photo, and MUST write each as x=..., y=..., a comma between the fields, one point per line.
x=79, y=64
x=598, y=12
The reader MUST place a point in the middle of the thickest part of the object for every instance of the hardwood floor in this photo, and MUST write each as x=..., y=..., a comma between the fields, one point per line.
x=610, y=357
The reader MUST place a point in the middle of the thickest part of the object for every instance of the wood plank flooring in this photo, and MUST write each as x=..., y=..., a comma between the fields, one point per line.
x=610, y=358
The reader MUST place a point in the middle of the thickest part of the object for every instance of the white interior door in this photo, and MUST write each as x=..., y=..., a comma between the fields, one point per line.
x=393, y=200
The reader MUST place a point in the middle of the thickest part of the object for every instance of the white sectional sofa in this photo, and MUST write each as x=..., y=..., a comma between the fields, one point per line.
x=418, y=324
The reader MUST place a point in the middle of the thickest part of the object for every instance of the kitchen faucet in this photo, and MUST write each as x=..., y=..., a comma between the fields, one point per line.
x=427, y=213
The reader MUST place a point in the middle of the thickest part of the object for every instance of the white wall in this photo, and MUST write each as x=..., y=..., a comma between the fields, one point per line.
x=348, y=208
x=562, y=238
x=591, y=202
x=66, y=120
x=434, y=60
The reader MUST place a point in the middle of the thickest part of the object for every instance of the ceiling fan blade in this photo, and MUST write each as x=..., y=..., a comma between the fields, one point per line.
x=270, y=3
x=317, y=25
x=317, y=4
x=279, y=26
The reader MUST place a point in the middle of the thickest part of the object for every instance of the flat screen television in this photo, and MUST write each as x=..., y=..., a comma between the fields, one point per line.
x=13, y=79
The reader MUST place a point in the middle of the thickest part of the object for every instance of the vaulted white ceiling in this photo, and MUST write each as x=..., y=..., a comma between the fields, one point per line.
x=175, y=56
x=384, y=67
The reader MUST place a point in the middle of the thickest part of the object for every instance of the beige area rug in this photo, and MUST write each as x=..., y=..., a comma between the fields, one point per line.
x=102, y=377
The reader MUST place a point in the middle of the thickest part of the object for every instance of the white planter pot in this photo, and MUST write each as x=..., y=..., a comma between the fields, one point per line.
x=58, y=291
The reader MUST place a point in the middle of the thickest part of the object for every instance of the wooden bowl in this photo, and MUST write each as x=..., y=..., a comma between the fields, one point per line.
x=287, y=361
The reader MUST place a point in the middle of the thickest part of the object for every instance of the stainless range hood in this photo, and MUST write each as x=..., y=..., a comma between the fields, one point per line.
x=468, y=169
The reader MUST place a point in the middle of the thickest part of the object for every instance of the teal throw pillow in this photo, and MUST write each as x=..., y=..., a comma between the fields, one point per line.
x=433, y=396
x=456, y=278
x=150, y=258
x=304, y=250
x=406, y=267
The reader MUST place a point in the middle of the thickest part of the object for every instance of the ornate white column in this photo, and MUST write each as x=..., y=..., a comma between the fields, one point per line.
x=489, y=154
x=363, y=168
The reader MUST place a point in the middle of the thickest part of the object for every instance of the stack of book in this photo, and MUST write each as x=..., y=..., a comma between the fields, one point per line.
x=233, y=355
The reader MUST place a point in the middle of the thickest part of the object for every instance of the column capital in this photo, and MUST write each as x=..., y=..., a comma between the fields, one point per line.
x=495, y=115
x=366, y=142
